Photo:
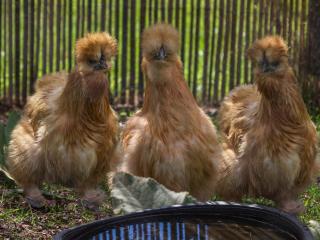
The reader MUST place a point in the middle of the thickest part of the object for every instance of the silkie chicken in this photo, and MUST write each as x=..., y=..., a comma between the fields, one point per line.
x=68, y=131
x=170, y=139
x=269, y=128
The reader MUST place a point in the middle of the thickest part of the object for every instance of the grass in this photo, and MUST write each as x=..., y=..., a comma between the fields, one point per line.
x=311, y=199
x=19, y=221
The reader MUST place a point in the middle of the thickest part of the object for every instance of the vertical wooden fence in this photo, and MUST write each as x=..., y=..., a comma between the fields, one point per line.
x=37, y=37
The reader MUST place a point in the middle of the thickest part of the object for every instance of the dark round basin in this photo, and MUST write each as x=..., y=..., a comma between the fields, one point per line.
x=216, y=220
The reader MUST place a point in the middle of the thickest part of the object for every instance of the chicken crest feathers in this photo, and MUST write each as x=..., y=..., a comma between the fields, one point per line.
x=274, y=43
x=160, y=35
x=94, y=43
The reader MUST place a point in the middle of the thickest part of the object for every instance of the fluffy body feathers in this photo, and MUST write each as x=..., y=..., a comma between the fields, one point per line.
x=268, y=126
x=68, y=131
x=170, y=139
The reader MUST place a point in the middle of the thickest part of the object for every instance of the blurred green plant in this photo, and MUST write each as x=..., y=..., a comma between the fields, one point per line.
x=316, y=119
x=5, y=133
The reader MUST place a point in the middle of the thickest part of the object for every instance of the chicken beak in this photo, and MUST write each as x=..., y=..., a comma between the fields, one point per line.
x=162, y=53
x=265, y=66
x=101, y=66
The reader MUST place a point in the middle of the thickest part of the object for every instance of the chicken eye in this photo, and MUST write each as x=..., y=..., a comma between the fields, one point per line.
x=92, y=62
x=155, y=54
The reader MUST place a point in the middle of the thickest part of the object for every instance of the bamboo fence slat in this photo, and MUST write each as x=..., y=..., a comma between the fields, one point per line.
x=37, y=37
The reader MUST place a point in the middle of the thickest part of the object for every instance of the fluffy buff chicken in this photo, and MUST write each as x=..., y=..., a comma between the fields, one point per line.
x=269, y=128
x=68, y=132
x=170, y=139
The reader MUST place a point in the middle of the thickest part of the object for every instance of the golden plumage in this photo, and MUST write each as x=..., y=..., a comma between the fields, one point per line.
x=170, y=139
x=68, y=131
x=268, y=126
